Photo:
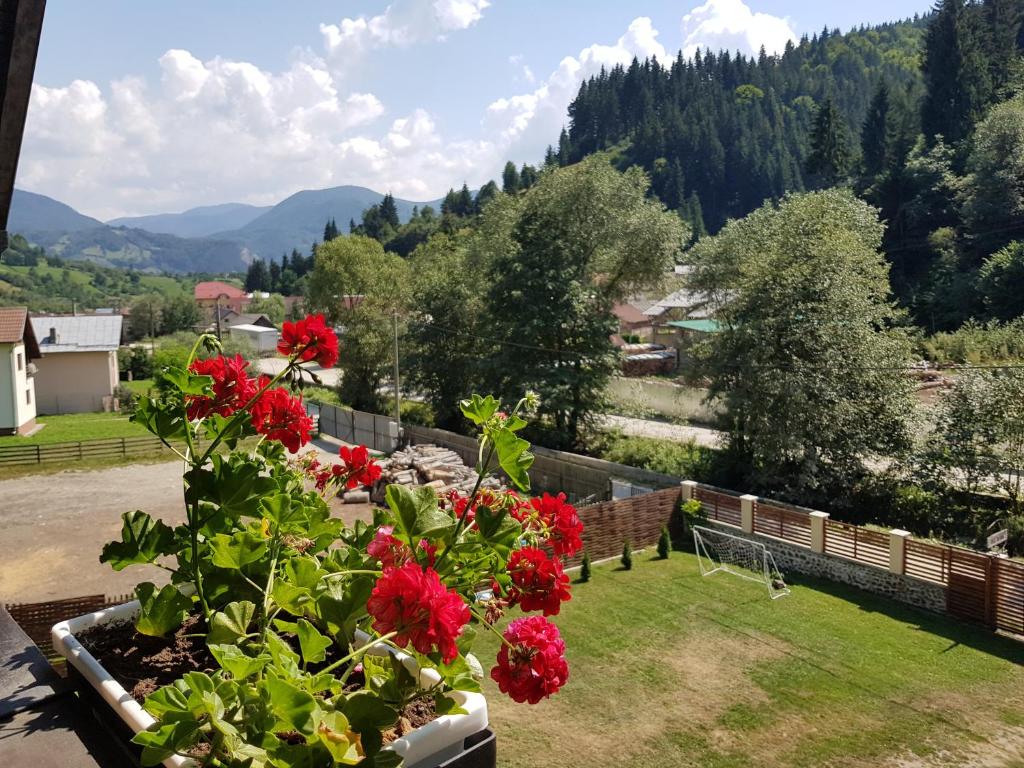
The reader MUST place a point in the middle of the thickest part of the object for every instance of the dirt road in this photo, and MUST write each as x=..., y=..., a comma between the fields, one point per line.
x=52, y=528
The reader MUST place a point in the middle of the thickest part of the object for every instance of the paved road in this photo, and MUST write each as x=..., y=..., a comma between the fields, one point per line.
x=662, y=430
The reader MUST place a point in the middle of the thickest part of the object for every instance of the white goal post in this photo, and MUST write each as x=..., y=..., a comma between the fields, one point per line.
x=719, y=551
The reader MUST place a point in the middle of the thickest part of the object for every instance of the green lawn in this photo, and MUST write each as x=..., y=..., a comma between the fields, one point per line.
x=672, y=669
x=79, y=426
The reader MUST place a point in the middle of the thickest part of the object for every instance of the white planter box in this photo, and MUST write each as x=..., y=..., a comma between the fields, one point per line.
x=425, y=747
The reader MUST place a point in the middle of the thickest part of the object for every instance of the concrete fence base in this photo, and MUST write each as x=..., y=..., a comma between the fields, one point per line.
x=792, y=558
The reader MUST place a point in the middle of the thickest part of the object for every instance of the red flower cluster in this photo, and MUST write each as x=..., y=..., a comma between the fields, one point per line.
x=535, y=666
x=357, y=466
x=557, y=520
x=356, y=469
x=390, y=551
x=387, y=549
x=310, y=339
x=538, y=583
x=282, y=417
x=508, y=500
x=414, y=603
x=232, y=387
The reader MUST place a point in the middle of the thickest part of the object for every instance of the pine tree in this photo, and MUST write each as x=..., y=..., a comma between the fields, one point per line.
x=874, y=136
x=695, y=218
x=510, y=179
x=829, y=158
x=1003, y=20
x=527, y=176
x=956, y=72
x=389, y=211
x=465, y=201
x=564, y=148
x=585, y=569
x=664, y=544
x=486, y=193
x=627, y=557
x=257, y=278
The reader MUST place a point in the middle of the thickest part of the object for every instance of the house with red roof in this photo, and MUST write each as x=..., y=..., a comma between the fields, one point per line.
x=209, y=294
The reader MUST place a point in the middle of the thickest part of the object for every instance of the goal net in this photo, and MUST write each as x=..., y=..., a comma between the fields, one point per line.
x=718, y=551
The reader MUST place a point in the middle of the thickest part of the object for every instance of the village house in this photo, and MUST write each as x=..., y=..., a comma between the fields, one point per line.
x=78, y=369
x=210, y=294
x=18, y=348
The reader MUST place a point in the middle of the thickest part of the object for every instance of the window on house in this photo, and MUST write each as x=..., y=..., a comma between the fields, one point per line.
x=21, y=362
x=28, y=397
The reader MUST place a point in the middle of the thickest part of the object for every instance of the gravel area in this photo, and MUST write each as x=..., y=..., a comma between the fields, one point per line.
x=54, y=526
x=661, y=430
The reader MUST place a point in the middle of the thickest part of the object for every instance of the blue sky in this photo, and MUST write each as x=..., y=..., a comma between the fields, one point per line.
x=142, y=107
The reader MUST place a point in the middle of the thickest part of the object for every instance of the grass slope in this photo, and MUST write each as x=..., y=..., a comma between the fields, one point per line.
x=672, y=669
x=73, y=427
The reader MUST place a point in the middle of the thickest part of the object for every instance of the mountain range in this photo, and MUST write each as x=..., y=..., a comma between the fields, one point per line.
x=216, y=238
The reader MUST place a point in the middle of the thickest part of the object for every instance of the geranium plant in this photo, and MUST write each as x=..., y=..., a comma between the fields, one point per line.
x=293, y=603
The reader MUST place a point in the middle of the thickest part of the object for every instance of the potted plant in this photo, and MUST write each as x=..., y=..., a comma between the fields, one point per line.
x=285, y=638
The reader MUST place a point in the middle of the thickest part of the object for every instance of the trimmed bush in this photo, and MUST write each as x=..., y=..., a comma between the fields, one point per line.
x=664, y=543
x=585, y=568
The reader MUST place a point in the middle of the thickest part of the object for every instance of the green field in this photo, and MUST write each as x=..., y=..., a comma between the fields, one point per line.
x=672, y=669
x=79, y=426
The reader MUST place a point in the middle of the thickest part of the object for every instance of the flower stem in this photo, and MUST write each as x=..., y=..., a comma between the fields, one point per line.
x=491, y=627
x=357, y=652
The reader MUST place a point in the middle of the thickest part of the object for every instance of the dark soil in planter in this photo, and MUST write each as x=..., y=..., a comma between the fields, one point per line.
x=141, y=663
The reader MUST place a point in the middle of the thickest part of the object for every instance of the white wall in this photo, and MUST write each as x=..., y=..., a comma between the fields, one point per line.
x=75, y=382
x=17, y=392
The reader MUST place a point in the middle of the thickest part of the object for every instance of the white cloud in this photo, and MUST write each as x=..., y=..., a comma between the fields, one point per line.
x=527, y=123
x=221, y=130
x=731, y=25
x=403, y=23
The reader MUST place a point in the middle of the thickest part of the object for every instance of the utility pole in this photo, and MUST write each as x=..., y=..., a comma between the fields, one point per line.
x=216, y=311
x=398, y=396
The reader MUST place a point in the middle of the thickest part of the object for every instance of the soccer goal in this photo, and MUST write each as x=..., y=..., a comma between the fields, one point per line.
x=718, y=551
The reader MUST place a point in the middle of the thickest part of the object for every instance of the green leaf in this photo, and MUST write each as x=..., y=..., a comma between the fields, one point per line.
x=489, y=520
x=143, y=540
x=167, y=703
x=408, y=504
x=513, y=457
x=432, y=523
x=312, y=643
x=277, y=508
x=187, y=383
x=236, y=662
x=238, y=550
x=367, y=711
x=293, y=599
x=162, y=419
x=164, y=739
x=232, y=623
x=161, y=611
x=293, y=706
x=332, y=732
x=479, y=409
x=446, y=705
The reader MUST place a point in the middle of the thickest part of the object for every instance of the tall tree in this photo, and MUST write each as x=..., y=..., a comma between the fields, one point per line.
x=874, y=135
x=257, y=277
x=807, y=362
x=580, y=239
x=389, y=211
x=830, y=155
x=1003, y=20
x=956, y=71
x=510, y=179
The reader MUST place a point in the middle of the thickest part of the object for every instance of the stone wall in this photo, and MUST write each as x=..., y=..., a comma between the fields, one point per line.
x=793, y=558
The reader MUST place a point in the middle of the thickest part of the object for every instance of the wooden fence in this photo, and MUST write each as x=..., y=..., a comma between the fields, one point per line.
x=38, y=618
x=979, y=586
x=25, y=455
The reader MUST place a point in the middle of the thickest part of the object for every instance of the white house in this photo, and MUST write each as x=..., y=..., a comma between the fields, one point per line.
x=78, y=369
x=18, y=349
x=263, y=340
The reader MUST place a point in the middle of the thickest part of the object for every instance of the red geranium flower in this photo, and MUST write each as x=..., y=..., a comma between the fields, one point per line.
x=232, y=387
x=311, y=339
x=538, y=583
x=282, y=417
x=357, y=464
x=560, y=522
x=413, y=602
x=388, y=550
x=535, y=666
